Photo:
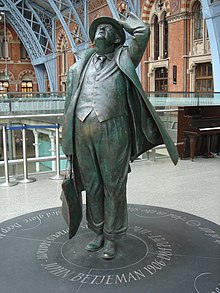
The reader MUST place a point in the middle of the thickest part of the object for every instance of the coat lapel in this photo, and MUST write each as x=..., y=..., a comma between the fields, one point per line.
x=73, y=87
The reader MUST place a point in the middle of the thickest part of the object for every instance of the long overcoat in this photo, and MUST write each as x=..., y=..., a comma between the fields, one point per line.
x=147, y=129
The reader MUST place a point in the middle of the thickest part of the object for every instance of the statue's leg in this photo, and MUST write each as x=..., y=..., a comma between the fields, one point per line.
x=91, y=179
x=113, y=154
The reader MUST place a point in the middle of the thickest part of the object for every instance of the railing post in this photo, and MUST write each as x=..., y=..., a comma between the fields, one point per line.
x=57, y=176
x=7, y=183
x=26, y=179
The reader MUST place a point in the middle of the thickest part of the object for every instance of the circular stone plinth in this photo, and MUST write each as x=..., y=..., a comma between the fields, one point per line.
x=164, y=251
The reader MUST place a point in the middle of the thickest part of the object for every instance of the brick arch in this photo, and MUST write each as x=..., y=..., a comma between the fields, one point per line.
x=9, y=33
x=188, y=4
x=147, y=6
x=30, y=73
x=62, y=35
x=192, y=3
x=11, y=75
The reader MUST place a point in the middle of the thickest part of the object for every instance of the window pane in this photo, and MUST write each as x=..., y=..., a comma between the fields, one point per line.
x=204, y=71
x=156, y=38
x=165, y=39
x=209, y=89
x=161, y=79
x=204, y=80
x=198, y=86
x=204, y=89
x=26, y=86
x=198, y=21
x=24, y=54
x=198, y=70
x=209, y=69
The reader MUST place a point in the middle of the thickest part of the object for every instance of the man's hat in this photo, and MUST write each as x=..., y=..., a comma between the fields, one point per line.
x=106, y=20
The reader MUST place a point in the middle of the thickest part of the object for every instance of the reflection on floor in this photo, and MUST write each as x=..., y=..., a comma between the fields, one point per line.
x=191, y=187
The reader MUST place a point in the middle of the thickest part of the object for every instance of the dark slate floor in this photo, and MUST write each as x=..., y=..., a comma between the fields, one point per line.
x=165, y=251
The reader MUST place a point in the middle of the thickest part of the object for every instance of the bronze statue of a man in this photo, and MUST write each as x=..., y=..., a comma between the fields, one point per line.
x=108, y=123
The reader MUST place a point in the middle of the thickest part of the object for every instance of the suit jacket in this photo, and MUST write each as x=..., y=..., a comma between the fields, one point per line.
x=147, y=129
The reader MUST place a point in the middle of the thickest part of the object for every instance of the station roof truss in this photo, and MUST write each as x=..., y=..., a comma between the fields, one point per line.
x=36, y=22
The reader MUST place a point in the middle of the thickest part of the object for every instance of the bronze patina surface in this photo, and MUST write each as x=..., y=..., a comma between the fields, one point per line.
x=108, y=123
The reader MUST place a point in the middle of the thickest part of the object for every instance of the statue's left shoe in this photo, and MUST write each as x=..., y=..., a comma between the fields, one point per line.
x=109, y=249
x=95, y=244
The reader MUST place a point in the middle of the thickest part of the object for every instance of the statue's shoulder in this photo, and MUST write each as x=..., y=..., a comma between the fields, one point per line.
x=81, y=57
x=84, y=54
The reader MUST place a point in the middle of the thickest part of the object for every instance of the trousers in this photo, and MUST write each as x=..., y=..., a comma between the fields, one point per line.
x=103, y=152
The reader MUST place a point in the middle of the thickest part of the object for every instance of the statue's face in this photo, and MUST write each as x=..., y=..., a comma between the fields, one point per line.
x=106, y=34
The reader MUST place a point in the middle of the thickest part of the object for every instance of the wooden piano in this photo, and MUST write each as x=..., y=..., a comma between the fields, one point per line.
x=198, y=131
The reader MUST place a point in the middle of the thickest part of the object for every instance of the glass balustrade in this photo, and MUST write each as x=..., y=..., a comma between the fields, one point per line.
x=43, y=110
x=31, y=103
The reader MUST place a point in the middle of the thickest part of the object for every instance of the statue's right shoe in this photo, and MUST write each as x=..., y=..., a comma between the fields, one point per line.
x=96, y=244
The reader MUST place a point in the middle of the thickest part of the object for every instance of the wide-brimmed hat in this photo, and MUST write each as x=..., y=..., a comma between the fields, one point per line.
x=106, y=20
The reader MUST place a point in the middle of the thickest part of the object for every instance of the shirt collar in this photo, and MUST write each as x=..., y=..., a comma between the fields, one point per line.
x=108, y=56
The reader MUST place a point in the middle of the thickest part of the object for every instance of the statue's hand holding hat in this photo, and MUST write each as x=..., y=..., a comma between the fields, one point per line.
x=131, y=23
x=107, y=20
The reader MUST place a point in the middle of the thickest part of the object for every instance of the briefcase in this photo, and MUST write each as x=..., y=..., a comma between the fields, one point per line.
x=71, y=204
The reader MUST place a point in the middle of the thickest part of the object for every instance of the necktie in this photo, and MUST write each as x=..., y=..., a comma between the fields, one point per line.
x=99, y=62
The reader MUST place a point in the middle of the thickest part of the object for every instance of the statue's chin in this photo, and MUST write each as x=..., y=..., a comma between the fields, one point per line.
x=101, y=45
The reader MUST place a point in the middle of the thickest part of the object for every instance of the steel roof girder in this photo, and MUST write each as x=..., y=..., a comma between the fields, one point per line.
x=28, y=39
x=28, y=13
x=27, y=36
x=60, y=17
x=40, y=74
x=53, y=47
x=78, y=20
x=37, y=6
x=113, y=8
x=51, y=68
x=33, y=47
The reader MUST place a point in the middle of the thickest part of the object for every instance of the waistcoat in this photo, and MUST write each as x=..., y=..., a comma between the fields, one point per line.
x=103, y=92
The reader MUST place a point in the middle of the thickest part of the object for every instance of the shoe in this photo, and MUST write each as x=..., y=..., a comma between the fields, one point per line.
x=109, y=249
x=96, y=244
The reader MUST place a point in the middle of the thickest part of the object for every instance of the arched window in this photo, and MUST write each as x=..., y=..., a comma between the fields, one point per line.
x=3, y=45
x=165, y=37
x=4, y=85
x=23, y=52
x=64, y=66
x=198, y=21
x=156, y=38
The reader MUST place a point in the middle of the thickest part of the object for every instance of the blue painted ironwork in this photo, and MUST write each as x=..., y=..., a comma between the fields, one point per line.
x=71, y=22
x=211, y=13
x=44, y=33
x=27, y=36
x=127, y=6
x=27, y=126
x=35, y=23
x=36, y=26
x=78, y=21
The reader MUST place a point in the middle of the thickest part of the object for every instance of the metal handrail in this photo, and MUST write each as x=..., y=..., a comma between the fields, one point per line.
x=56, y=158
x=32, y=160
x=23, y=127
x=5, y=117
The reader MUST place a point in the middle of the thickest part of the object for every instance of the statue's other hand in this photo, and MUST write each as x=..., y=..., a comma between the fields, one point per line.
x=131, y=23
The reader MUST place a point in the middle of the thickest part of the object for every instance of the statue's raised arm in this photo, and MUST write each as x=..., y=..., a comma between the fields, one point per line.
x=140, y=33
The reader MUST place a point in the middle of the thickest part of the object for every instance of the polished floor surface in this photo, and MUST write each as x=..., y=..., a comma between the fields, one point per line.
x=191, y=187
x=172, y=242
